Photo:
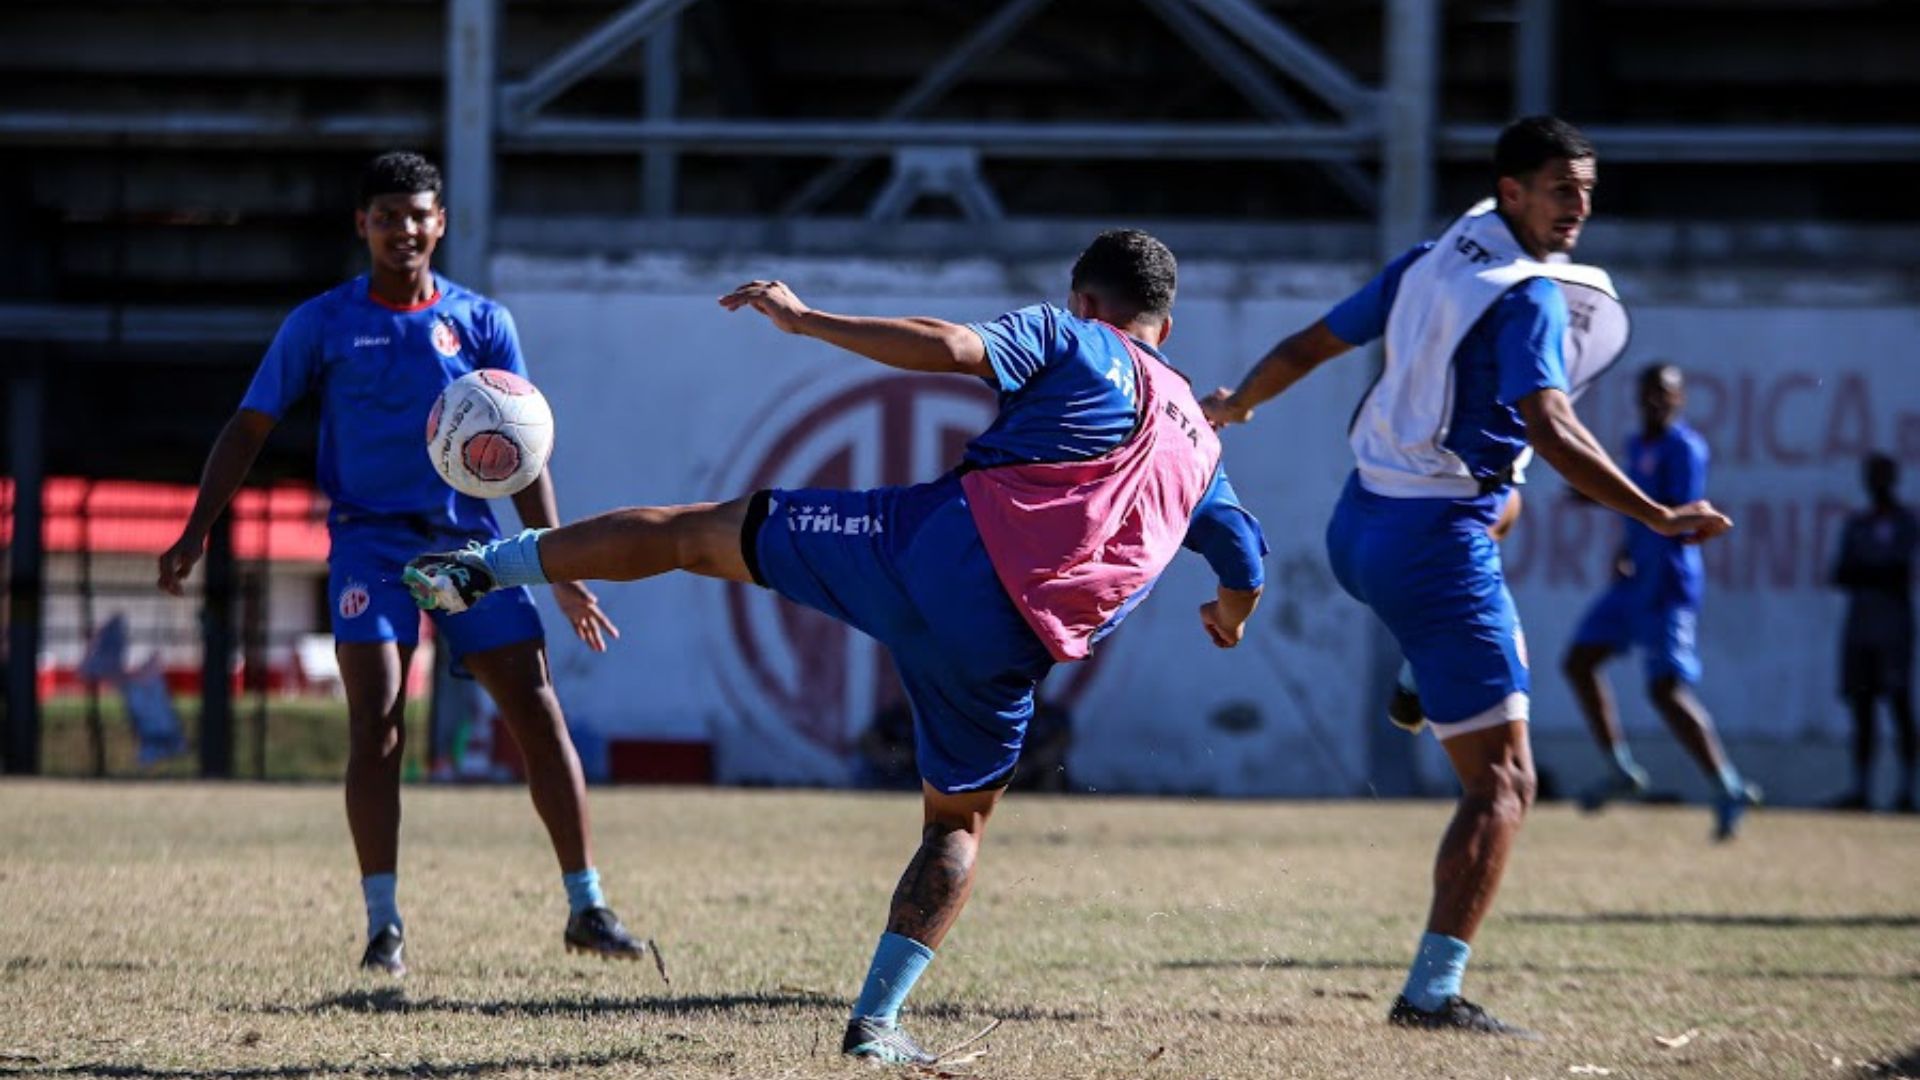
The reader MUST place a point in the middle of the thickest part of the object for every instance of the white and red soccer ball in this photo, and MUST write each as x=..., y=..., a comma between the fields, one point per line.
x=490, y=433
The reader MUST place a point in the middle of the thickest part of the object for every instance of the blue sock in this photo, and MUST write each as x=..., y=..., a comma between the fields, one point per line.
x=1623, y=760
x=516, y=559
x=583, y=890
x=897, y=965
x=1731, y=785
x=1436, y=972
x=382, y=910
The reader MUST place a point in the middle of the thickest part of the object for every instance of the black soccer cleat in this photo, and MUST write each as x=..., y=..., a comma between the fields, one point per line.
x=449, y=581
x=1458, y=1014
x=1405, y=710
x=597, y=932
x=386, y=953
x=878, y=1040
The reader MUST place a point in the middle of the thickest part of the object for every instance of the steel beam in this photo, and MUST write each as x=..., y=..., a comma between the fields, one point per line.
x=472, y=48
x=1245, y=74
x=26, y=586
x=1716, y=145
x=660, y=170
x=520, y=100
x=107, y=324
x=1298, y=58
x=942, y=77
x=1407, y=123
x=1535, y=47
x=197, y=129
x=811, y=138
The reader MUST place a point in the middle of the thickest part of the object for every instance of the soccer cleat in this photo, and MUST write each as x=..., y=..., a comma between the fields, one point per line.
x=449, y=581
x=1458, y=1014
x=597, y=932
x=386, y=953
x=1404, y=709
x=878, y=1040
x=1613, y=787
x=1729, y=809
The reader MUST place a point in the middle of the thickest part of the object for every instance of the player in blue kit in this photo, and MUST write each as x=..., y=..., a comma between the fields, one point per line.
x=1489, y=332
x=1056, y=523
x=1654, y=603
x=378, y=350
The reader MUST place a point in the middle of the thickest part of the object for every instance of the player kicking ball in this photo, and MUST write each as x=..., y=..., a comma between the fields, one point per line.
x=1654, y=603
x=1056, y=523
x=378, y=351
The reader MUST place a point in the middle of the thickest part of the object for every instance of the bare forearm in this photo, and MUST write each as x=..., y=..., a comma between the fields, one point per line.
x=911, y=344
x=537, y=505
x=1571, y=449
x=227, y=466
x=1237, y=605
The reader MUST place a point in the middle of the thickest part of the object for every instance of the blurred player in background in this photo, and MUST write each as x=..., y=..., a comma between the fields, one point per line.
x=1483, y=355
x=1654, y=603
x=1058, y=520
x=378, y=350
x=1878, y=549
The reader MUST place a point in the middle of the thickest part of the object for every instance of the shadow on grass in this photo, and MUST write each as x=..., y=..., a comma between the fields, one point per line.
x=1283, y=963
x=419, y=1070
x=1906, y=1064
x=395, y=1000
x=1720, y=918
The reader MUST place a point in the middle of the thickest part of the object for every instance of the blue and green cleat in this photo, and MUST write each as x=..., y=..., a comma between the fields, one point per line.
x=449, y=581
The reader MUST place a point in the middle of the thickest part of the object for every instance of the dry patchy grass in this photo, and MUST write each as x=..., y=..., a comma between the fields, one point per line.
x=208, y=933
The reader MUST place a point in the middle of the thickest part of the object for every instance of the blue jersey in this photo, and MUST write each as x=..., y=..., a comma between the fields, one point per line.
x=1514, y=350
x=1067, y=394
x=378, y=370
x=1672, y=470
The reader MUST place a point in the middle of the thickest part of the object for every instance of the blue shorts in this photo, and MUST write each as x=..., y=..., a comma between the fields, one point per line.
x=368, y=602
x=1429, y=570
x=906, y=566
x=1624, y=617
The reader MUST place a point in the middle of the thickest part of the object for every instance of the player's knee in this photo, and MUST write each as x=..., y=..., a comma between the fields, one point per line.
x=536, y=722
x=375, y=735
x=1509, y=789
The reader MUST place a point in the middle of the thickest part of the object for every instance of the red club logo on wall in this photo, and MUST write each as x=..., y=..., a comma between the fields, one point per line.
x=821, y=677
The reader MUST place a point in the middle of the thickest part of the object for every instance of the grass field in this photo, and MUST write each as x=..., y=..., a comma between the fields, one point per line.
x=209, y=932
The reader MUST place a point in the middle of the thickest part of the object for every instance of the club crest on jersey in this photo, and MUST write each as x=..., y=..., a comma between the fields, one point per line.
x=354, y=600
x=446, y=340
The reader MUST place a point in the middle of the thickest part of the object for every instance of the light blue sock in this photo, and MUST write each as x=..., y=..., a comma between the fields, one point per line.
x=1437, y=970
x=1732, y=786
x=516, y=559
x=382, y=910
x=583, y=890
x=1623, y=761
x=897, y=965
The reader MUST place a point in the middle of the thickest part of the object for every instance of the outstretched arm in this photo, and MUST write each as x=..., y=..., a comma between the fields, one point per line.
x=1285, y=364
x=1566, y=444
x=227, y=465
x=911, y=344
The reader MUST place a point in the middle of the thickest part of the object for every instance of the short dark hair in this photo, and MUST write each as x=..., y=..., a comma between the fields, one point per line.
x=398, y=172
x=1650, y=376
x=1129, y=268
x=1532, y=141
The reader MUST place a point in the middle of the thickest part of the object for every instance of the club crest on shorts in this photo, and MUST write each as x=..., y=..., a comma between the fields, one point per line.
x=446, y=340
x=354, y=600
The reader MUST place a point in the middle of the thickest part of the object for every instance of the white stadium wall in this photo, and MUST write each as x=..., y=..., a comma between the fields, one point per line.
x=662, y=397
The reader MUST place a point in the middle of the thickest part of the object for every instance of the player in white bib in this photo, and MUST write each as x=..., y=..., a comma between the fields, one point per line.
x=1490, y=333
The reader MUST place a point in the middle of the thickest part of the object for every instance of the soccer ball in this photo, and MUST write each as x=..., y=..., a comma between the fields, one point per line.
x=490, y=433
